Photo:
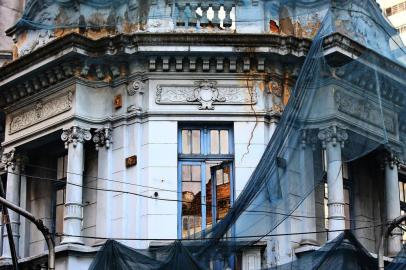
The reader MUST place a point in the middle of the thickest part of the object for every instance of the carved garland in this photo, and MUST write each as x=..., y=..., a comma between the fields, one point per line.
x=41, y=111
x=205, y=92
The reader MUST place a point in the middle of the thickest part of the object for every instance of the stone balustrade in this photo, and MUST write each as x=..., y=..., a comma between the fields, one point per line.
x=204, y=14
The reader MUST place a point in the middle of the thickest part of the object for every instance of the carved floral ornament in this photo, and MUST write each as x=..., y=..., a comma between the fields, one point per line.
x=75, y=135
x=41, y=111
x=11, y=159
x=207, y=93
x=334, y=135
x=103, y=137
x=138, y=86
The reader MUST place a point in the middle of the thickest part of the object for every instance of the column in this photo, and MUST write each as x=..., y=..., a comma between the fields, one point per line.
x=392, y=204
x=103, y=140
x=74, y=139
x=332, y=139
x=308, y=207
x=12, y=161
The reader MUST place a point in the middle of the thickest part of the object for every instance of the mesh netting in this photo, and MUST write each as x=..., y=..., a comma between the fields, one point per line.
x=349, y=96
x=348, y=102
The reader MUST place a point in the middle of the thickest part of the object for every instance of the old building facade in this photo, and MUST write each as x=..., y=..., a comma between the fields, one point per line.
x=143, y=105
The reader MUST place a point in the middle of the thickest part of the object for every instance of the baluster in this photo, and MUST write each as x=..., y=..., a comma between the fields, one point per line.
x=193, y=17
x=227, y=22
x=181, y=15
x=204, y=21
x=216, y=8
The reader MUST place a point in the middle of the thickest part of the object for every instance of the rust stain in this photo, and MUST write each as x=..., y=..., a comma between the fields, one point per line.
x=273, y=27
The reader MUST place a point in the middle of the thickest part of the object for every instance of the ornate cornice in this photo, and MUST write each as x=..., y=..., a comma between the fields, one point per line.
x=128, y=44
x=334, y=135
x=75, y=135
x=103, y=137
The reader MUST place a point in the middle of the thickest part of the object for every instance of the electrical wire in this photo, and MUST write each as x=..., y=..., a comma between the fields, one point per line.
x=179, y=201
x=209, y=238
x=100, y=178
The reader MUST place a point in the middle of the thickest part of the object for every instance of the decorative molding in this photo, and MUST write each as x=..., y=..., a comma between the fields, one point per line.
x=75, y=135
x=363, y=109
x=333, y=134
x=206, y=93
x=391, y=159
x=41, y=111
x=9, y=159
x=103, y=137
x=138, y=86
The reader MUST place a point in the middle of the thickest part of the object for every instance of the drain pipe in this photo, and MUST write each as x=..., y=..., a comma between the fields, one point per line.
x=40, y=225
x=384, y=238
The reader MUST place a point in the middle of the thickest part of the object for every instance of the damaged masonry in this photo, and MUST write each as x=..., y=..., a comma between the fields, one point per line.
x=177, y=134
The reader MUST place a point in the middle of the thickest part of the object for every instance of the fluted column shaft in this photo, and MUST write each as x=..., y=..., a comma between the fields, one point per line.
x=392, y=201
x=74, y=139
x=13, y=164
x=332, y=141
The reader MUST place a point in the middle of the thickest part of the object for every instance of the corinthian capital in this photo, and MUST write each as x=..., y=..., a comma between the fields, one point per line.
x=102, y=137
x=333, y=134
x=392, y=159
x=75, y=135
x=11, y=159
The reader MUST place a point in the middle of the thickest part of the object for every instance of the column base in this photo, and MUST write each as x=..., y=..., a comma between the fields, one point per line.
x=72, y=240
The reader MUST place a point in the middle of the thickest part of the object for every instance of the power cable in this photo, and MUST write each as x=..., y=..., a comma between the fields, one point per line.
x=209, y=238
x=177, y=200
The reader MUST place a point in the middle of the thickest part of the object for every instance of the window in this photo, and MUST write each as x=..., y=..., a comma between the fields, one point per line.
x=205, y=177
x=60, y=196
x=395, y=9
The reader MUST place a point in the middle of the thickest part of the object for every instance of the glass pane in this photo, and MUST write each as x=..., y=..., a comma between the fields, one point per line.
x=60, y=196
x=186, y=173
x=196, y=142
x=226, y=174
x=209, y=194
x=65, y=166
x=223, y=196
x=345, y=171
x=59, y=169
x=195, y=173
x=219, y=177
x=347, y=208
x=59, y=222
x=186, y=141
x=224, y=142
x=214, y=141
x=401, y=194
x=326, y=206
x=191, y=200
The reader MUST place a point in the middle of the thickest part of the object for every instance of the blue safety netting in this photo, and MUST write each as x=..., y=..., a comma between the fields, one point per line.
x=350, y=94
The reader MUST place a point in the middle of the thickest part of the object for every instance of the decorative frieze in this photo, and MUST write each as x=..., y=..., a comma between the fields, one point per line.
x=41, y=111
x=75, y=135
x=206, y=93
x=363, y=109
x=103, y=137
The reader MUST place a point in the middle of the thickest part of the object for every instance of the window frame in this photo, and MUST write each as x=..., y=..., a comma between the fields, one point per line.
x=202, y=158
x=58, y=185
